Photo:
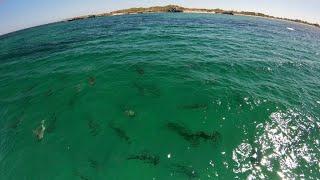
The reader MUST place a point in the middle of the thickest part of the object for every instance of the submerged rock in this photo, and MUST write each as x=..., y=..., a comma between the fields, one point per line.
x=39, y=131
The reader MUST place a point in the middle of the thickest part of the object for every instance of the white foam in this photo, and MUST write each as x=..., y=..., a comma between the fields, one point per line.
x=291, y=29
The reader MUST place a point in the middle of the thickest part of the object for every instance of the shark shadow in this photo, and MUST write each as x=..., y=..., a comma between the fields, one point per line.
x=193, y=137
x=146, y=157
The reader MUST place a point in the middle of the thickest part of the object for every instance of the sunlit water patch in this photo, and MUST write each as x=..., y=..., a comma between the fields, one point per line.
x=287, y=144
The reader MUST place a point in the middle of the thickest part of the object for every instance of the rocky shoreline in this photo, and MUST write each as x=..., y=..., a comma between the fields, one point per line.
x=179, y=9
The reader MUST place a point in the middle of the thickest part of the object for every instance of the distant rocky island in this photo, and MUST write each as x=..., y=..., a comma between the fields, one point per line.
x=179, y=9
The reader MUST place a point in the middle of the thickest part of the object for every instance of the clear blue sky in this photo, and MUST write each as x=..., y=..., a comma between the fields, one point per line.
x=19, y=14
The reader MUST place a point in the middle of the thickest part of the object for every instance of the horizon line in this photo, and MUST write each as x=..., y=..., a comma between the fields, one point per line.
x=85, y=16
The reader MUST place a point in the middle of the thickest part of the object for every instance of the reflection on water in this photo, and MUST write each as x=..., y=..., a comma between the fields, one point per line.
x=288, y=144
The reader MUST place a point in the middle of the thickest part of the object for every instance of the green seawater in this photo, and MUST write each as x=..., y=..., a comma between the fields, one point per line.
x=161, y=96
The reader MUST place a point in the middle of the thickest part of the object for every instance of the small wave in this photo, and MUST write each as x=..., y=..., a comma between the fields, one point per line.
x=291, y=29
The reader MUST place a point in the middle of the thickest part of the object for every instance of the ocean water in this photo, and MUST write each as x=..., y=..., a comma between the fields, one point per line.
x=161, y=96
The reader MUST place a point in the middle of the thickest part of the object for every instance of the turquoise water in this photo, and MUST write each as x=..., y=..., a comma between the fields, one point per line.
x=161, y=96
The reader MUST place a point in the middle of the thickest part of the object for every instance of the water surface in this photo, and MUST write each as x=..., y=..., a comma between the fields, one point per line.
x=161, y=96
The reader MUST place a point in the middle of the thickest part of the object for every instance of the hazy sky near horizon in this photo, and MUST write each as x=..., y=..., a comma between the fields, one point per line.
x=20, y=14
